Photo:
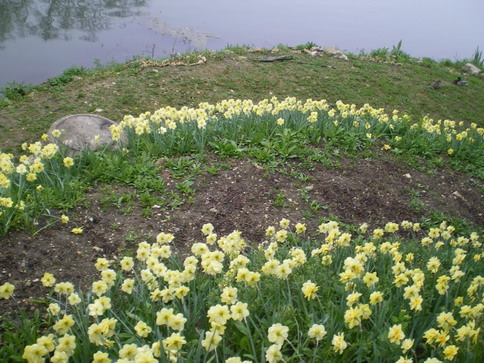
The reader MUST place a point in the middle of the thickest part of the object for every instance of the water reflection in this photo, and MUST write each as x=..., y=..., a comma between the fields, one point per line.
x=54, y=19
x=65, y=33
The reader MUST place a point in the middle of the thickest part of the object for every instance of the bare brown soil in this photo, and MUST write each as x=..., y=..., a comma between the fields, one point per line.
x=242, y=197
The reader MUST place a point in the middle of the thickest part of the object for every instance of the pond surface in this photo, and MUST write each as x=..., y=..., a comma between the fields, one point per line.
x=41, y=38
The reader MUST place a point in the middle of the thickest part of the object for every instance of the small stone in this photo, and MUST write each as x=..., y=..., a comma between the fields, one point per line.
x=342, y=56
x=460, y=196
x=408, y=176
x=311, y=53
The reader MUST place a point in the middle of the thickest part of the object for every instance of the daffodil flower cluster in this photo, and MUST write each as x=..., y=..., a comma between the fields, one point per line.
x=406, y=299
x=23, y=179
x=236, y=117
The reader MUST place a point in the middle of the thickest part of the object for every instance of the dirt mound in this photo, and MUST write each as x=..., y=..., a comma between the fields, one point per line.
x=245, y=197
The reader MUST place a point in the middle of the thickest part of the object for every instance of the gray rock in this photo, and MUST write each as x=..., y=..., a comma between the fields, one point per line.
x=311, y=52
x=342, y=56
x=471, y=68
x=329, y=50
x=335, y=52
x=84, y=131
x=316, y=49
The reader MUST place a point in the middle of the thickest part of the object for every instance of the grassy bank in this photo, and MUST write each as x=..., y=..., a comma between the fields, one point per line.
x=252, y=227
x=385, y=79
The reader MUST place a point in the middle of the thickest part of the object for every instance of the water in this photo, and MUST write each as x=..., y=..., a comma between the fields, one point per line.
x=41, y=38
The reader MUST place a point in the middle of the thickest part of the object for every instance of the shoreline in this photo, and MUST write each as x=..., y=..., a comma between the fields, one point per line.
x=385, y=78
x=382, y=51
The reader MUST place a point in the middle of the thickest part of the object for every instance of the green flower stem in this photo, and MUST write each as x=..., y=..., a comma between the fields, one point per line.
x=252, y=346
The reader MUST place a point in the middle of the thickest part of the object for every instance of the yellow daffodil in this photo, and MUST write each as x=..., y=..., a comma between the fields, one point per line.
x=219, y=314
x=68, y=162
x=142, y=329
x=396, y=334
x=6, y=290
x=277, y=333
x=77, y=230
x=339, y=343
x=309, y=290
x=273, y=354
